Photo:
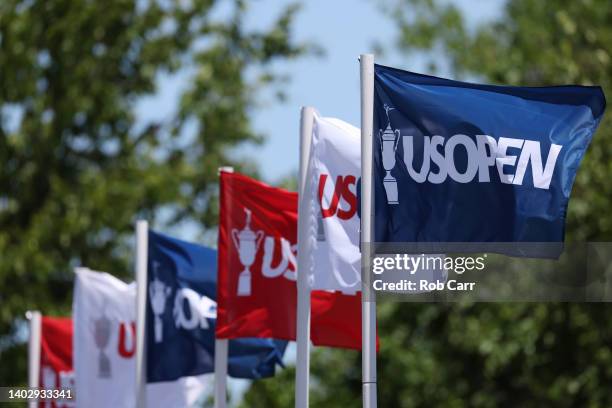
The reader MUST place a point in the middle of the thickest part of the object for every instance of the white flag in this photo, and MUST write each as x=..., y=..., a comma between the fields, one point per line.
x=333, y=171
x=104, y=313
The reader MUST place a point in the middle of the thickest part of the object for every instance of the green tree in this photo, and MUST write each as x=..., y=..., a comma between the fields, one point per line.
x=77, y=169
x=494, y=355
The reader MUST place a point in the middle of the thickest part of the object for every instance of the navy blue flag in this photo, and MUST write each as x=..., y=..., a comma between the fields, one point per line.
x=181, y=316
x=461, y=162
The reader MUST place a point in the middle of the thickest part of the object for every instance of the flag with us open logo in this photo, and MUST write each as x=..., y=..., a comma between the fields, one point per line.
x=333, y=172
x=461, y=162
x=182, y=315
x=104, y=314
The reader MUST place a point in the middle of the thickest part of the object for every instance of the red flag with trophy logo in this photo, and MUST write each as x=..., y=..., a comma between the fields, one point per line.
x=257, y=295
x=56, y=371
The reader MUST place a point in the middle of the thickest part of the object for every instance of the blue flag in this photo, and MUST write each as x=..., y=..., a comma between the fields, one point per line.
x=181, y=316
x=461, y=162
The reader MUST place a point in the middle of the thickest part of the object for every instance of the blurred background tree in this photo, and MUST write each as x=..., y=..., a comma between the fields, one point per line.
x=493, y=355
x=78, y=170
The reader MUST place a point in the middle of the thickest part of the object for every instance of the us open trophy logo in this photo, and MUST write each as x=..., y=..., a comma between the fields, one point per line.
x=320, y=228
x=158, y=292
x=102, y=332
x=389, y=140
x=247, y=243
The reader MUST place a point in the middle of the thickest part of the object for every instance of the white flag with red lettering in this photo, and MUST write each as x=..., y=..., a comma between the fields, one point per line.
x=334, y=168
x=334, y=171
x=104, y=314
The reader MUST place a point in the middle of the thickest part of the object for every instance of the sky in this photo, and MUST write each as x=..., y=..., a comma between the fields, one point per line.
x=344, y=29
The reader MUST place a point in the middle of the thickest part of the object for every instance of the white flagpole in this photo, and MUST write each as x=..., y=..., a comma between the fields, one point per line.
x=142, y=238
x=35, y=319
x=221, y=352
x=368, y=306
x=302, y=372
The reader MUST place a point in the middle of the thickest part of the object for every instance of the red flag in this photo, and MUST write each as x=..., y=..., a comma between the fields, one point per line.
x=56, y=369
x=335, y=319
x=257, y=294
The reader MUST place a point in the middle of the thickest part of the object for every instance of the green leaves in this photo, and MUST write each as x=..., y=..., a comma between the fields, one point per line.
x=77, y=169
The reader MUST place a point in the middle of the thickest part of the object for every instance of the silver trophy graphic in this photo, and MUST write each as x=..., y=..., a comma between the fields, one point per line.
x=389, y=141
x=102, y=332
x=247, y=243
x=320, y=228
x=158, y=292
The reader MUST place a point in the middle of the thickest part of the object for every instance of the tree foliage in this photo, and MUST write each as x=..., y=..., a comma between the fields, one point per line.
x=78, y=169
x=493, y=355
